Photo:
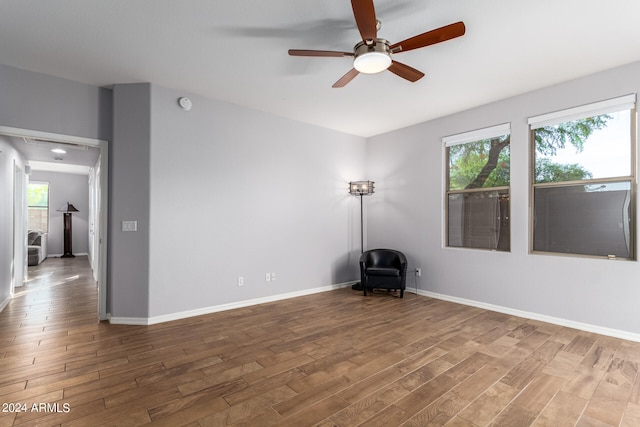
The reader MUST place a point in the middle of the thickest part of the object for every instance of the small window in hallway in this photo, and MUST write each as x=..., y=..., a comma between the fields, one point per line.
x=38, y=201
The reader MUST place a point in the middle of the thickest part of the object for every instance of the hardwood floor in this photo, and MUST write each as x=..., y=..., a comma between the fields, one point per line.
x=329, y=359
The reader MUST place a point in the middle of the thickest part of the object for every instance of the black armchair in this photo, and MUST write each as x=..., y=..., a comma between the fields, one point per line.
x=383, y=269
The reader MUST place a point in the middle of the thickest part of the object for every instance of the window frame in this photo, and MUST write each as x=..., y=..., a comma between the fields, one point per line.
x=465, y=138
x=624, y=103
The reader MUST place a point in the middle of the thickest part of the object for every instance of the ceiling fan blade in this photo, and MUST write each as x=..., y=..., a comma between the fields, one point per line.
x=438, y=35
x=346, y=78
x=365, y=15
x=329, y=53
x=405, y=71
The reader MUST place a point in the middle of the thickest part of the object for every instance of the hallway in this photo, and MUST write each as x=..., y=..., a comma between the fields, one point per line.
x=37, y=304
x=53, y=312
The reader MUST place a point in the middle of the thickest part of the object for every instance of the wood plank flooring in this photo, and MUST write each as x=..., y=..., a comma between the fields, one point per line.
x=329, y=359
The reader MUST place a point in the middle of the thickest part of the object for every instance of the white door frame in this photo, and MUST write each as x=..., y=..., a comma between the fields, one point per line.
x=19, y=229
x=103, y=145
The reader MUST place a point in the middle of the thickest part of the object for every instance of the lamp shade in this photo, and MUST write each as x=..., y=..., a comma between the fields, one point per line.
x=68, y=208
x=361, y=188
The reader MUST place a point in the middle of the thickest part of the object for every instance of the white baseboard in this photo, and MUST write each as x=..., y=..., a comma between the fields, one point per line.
x=137, y=321
x=222, y=307
x=617, y=333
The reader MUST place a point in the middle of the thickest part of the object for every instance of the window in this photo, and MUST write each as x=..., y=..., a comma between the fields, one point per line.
x=477, y=189
x=582, y=178
x=38, y=201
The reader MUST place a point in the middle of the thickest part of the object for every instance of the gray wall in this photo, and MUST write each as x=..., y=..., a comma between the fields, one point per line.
x=237, y=192
x=220, y=192
x=407, y=212
x=65, y=187
x=129, y=201
x=50, y=104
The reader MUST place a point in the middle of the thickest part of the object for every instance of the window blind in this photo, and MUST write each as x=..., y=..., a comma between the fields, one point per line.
x=590, y=110
x=477, y=135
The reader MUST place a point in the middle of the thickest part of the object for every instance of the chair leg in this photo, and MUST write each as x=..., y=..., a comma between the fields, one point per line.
x=401, y=293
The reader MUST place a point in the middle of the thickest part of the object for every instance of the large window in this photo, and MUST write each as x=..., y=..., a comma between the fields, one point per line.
x=477, y=189
x=38, y=202
x=583, y=175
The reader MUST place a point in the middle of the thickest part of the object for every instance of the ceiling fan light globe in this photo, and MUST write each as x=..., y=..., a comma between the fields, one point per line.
x=372, y=58
x=372, y=62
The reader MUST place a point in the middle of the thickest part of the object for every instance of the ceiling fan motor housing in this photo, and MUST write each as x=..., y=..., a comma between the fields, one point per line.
x=372, y=58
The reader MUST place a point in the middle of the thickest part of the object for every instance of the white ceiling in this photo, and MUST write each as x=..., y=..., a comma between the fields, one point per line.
x=236, y=51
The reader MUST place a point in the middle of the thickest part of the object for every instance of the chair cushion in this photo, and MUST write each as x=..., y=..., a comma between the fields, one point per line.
x=32, y=237
x=383, y=258
x=381, y=271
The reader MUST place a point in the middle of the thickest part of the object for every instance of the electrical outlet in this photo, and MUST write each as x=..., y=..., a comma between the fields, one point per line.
x=418, y=272
x=273, y=277
x=240, y=281
x=267, y=277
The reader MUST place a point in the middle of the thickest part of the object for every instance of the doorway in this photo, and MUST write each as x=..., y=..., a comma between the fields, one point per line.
x=99, y=208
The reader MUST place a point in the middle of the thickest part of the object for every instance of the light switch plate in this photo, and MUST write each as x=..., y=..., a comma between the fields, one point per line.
x=129, y=225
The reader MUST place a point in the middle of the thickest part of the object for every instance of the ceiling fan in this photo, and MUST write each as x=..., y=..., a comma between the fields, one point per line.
x=373, y=54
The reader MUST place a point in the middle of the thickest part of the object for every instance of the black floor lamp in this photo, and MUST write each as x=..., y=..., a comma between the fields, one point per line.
x=361, y=188
x=67, y=209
